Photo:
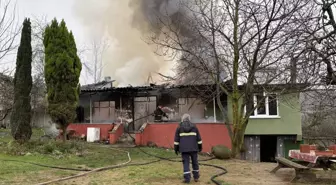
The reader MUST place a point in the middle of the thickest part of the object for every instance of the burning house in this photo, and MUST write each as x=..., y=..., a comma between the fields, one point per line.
x=273, y=129
x=125, y=104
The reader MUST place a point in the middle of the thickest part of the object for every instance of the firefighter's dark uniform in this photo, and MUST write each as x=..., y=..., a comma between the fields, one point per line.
x=188, y=141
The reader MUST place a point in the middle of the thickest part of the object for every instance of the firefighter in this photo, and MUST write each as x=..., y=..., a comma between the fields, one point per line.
x=188, y=142
x=158, y=114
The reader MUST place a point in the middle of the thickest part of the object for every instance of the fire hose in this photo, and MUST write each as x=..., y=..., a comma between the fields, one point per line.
x=46, y=166
x=213, y=178
x=125, y=164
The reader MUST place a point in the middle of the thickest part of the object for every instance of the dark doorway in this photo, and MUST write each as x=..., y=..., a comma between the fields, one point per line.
x=268, y=148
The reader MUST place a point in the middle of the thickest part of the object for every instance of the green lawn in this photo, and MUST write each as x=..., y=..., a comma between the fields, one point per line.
x=82, y=155
x=54, y=153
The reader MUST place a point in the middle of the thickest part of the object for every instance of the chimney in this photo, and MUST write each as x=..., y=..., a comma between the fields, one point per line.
x=107, y=79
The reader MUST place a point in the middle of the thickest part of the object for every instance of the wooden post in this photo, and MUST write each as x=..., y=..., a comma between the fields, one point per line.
x=120, y=110
x=90, y=110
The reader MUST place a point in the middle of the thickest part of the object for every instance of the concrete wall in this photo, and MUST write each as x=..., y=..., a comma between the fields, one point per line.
x=162, y=134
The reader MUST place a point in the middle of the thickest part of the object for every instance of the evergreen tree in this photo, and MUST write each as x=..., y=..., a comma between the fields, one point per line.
x=21, y=114
x=62, y=71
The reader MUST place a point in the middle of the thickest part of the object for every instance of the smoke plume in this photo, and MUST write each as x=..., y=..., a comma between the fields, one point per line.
x=174, y=22
x=130, y=60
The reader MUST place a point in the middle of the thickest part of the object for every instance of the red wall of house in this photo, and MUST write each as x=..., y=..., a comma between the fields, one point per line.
x=82, y=129
x=162, y=134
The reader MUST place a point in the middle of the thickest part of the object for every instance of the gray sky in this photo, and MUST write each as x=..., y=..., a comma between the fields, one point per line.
x=61, y=9
x=128, y=60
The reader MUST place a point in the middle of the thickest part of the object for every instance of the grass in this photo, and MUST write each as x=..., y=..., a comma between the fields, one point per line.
x=56, y=153
x=96, y=155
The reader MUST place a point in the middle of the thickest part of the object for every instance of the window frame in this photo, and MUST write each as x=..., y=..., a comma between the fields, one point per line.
x=266, y=106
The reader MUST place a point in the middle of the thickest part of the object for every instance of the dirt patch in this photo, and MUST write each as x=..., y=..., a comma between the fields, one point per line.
x=168, y=173
x=34, y=177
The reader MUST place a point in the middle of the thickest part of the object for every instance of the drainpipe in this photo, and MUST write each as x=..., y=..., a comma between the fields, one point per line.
x=214, y=106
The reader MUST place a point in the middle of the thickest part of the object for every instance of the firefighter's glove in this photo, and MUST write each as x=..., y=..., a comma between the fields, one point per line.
x=200, y=147
x=176, y=148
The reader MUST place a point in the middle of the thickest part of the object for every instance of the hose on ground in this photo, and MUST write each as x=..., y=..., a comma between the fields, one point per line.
x=125, y=164
x=92, y=171
x=46, y=166
x=213, y=178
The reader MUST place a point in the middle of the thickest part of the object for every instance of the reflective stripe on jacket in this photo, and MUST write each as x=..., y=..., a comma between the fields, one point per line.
x=188, y=141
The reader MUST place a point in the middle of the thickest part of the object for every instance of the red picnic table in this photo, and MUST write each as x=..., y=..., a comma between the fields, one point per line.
x=312, y=160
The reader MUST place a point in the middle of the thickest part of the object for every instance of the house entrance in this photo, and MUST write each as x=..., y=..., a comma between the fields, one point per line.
x=268, y=148
x=143, y=106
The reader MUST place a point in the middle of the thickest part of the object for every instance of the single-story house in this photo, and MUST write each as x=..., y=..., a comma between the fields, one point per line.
x=273, y=129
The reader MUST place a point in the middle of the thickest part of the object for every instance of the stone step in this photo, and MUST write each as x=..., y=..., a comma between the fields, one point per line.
x=126, y=138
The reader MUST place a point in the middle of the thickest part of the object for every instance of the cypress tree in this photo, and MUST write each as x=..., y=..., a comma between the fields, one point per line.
x=62, y=72
x=21, y=114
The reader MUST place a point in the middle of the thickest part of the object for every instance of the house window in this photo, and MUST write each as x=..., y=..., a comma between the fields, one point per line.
x=267, y=105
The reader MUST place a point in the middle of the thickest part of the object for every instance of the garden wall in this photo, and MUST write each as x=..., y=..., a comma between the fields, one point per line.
x=82, y=129
x=162, y=134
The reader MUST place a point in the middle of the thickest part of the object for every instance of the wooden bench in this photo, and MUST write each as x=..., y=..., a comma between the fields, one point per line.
x=300, y=170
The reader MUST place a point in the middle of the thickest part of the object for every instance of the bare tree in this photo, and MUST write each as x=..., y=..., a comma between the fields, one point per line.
x=319, y=34
x=9, y=28
x=318, y=116
x=38, y=26
x=94, y=67
x=6, y=98
x=250, y=44
x=319, y=105
x=38, y=92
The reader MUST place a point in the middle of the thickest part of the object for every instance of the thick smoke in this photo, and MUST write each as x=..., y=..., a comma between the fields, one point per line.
x=130, y=60
x=174, y=19
x=153, y=12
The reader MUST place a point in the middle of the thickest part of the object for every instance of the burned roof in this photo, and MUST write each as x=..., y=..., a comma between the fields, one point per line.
x=97, y=86
x=118, y=89
x=259, y=87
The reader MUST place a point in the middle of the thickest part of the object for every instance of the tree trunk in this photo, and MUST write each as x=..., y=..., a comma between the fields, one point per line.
x=236, y=116
x=64, y=128
x=237, y=142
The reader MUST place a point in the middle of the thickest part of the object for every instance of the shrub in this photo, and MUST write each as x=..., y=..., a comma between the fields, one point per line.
x=44, y=147
x=221, y=152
